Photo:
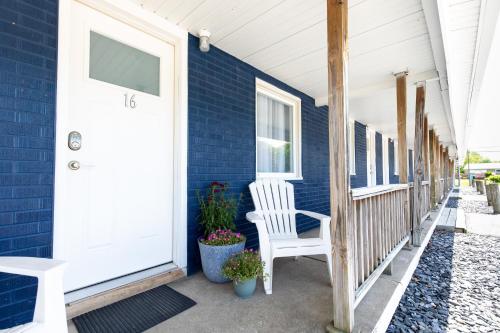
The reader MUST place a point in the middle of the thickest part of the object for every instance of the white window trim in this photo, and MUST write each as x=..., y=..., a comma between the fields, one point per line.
x=385, y=158
x=396, y=158
x=272, y=91
x=352, y=148
x=371, y=157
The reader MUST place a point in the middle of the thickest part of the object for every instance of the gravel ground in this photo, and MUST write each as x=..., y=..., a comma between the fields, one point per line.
x=455, y=288
x=470, y=206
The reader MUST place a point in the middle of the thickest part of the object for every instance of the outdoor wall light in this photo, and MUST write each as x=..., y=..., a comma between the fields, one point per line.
x=204, y=35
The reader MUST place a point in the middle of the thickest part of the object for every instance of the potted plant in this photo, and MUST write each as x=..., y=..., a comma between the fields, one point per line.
x=494, y=192
x=219, y=241
x=244, y=268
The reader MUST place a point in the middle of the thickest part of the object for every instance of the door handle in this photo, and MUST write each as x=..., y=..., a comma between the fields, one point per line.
x=74, y=165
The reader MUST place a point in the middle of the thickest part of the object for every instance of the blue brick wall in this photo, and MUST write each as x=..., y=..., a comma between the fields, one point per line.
x=28, y=41
x=410, y=165
x=222, y=140
x=393, y=179
x=360, y=178
x=379, y=159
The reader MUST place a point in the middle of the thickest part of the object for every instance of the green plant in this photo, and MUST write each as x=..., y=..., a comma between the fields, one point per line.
x=244, y=266
x=494, y=179
x=488, y=174
x=216, y=211
x=223, y=237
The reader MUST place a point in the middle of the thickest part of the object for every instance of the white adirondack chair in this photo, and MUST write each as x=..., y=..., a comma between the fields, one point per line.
x=50, y=310
x=274, y=216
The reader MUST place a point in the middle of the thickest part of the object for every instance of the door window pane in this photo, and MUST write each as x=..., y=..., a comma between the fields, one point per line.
x=274, y=136
x=117, y=63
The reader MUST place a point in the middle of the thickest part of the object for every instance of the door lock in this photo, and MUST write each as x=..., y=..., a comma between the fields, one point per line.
x=74, y=140
x=74, y=165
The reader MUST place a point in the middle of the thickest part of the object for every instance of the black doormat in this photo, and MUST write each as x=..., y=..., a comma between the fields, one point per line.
x=135, y=314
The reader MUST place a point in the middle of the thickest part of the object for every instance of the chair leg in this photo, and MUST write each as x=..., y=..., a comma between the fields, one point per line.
x=329, y=263
x=268, y=280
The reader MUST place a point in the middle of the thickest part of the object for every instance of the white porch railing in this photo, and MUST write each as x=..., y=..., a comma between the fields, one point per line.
x=381, y=228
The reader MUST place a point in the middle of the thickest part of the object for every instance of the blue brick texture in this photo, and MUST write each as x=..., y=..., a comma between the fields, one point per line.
x=222, y=140
x=28, y=41
x=410, y=165
x=379, y=159
x=393, y=179
x=360, y=178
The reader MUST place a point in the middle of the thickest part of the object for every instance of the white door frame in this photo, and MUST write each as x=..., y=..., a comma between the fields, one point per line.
x=133, y=15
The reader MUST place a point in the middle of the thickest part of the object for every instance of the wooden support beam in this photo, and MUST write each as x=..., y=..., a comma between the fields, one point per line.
x=446, y=165
x=340, y=198
x=418, y=169
x=426, y=149
x=401, y=119
x=432, y=161
x=439, y=169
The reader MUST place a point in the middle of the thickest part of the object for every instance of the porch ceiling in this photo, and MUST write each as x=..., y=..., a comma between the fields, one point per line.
x=287, y=39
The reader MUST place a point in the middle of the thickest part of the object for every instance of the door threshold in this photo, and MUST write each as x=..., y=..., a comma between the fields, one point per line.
x=97, y=296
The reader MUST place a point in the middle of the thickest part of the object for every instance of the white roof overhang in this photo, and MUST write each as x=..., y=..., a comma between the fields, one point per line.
x=287, y=39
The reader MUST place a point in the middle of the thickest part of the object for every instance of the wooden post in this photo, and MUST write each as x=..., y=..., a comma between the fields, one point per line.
x=401, y=119
x=402, y=147
x=340, y=198
x=418, y=169
x=426, y=148
x=439, y=169
x=432, y=161
x=445, y=170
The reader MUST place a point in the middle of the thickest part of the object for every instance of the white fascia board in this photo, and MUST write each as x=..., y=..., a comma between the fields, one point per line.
x=488, y=21
x=437, y=35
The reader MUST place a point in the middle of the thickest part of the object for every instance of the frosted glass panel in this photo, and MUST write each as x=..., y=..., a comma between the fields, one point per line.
x=116, y=63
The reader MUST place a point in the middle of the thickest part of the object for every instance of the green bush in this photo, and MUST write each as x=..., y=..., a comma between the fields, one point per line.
x=494, y=179
x=488, y=174
x=217, y=212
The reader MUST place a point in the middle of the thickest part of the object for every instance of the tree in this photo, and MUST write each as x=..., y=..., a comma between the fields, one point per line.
x=475, y=157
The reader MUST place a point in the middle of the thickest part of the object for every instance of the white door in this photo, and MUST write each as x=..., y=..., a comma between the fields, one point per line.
x=116, y=214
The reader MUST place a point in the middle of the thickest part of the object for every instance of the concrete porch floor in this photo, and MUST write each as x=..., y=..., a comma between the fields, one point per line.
x=301, y=299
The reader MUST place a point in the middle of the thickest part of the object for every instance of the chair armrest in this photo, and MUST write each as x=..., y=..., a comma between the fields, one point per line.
x=324, y=231
x=29, y=266
x=261, y=228
x=254, y=218
x=314, y=215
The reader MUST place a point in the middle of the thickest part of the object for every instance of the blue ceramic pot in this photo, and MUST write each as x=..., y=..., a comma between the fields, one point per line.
x=245, y=289
x=214, y=257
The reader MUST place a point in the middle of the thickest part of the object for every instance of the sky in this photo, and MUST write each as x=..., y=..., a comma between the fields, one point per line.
x=485, y=130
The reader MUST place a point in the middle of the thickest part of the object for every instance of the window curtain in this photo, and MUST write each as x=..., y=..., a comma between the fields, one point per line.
x=274, y=135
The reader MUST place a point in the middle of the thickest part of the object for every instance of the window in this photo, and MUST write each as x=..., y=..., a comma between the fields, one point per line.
x=352, y=148
x=278, y=132
x=116, y=63
x=396, y=159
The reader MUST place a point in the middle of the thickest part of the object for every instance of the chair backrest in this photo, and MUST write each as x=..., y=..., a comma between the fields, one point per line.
x=274, y=201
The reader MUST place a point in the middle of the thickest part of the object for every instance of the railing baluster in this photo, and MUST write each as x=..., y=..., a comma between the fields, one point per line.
x=381, y=222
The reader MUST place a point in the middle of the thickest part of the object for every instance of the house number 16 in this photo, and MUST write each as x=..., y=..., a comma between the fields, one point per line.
x=130, y=102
